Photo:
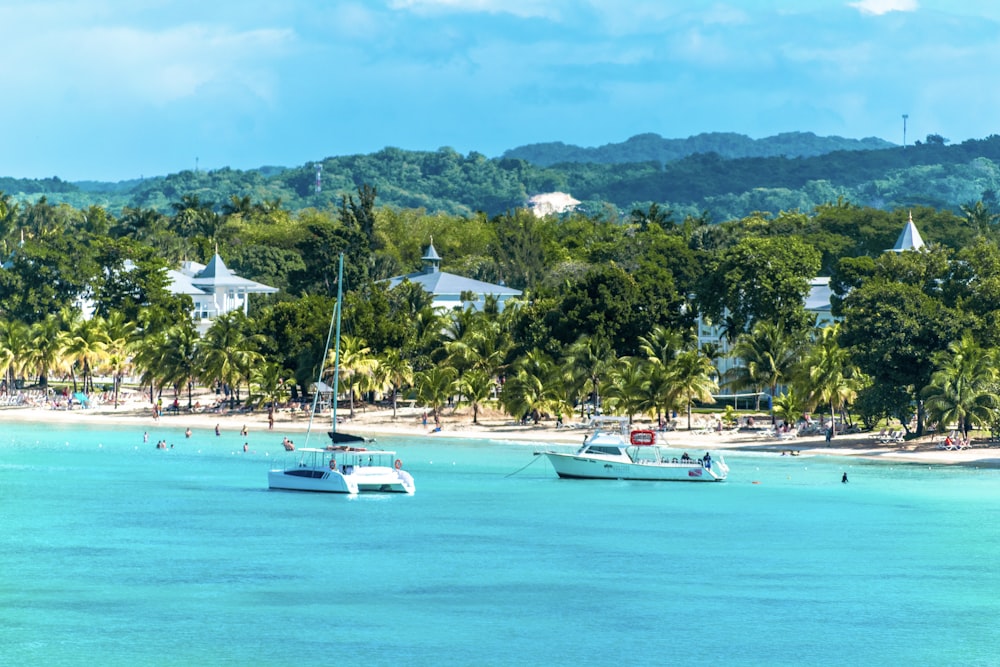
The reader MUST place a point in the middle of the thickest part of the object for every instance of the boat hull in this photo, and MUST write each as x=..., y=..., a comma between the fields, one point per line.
x=319, y=480
x=572, y=466
x=378, y=479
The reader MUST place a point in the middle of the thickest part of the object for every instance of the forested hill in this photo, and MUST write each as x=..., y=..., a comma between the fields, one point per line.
x=654, y=148
x=929, y=173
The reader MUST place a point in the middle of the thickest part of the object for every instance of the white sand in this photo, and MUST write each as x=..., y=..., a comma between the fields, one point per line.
x=458, y=424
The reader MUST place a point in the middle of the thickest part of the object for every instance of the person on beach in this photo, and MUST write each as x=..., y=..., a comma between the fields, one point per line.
x=244, y=431
x=187, y=433
x=843, y=480
x=270, y=418
x=217, y=432
x=245, y=447
x=145, y=436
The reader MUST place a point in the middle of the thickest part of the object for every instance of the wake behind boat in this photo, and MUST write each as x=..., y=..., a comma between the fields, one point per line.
x=614, y=451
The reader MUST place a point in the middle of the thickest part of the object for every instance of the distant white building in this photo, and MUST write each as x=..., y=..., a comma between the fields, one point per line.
x=448, y=288
x=548, y=203
x=214, y=289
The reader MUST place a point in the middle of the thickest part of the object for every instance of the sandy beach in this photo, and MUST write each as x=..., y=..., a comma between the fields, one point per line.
x=408, y=421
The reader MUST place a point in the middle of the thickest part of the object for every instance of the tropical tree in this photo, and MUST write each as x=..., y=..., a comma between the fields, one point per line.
x=86, y=344
x=45, y=353
x=270, y=383
x=357, y=365
x=228, y=352
x=628, y=388
x=15, y=346
x=831, y=377
x=691, y=377
x=791, y=405
x=535, y=388
x=587, y=363
x=963, y=387
x=434, y=386
x=769, y=352
x=180, y=357
x=120, y=332
x=397, y=371
x=475, y=388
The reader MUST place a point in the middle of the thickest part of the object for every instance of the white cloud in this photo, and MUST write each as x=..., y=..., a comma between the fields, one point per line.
x=519, y=8
x=109, y=65
x=879, y=7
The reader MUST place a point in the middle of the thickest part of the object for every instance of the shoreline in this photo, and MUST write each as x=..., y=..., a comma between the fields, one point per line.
x=458, y=424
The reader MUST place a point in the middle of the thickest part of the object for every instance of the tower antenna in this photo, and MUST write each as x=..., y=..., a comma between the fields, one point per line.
x=319, y=177
x=905, y=116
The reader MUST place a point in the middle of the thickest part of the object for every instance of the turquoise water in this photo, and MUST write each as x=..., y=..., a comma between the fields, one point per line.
x=115, y=553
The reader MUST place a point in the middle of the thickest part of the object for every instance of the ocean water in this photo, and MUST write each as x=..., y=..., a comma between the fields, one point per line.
x=115, y=553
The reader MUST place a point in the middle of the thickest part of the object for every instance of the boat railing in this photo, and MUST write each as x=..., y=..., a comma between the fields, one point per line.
x=678, y=460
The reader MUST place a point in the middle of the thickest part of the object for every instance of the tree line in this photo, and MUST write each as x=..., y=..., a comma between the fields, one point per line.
x=607, y=318
x=724, y=179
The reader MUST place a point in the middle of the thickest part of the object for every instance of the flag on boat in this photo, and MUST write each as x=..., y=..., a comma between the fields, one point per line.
x=694, y=473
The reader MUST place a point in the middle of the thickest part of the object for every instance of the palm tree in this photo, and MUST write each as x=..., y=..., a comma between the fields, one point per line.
x=833, y=380
x=356, y=365
x=963, y=388
x=15, y=350
x=180, y=357
x=536, y=387
x=587, y=363
x=691, y=377
x=398, y=371
x=434, y=386
x=628, y=388
x=228, y=352
x=475, y=387
x=120, y=332
x=148, y=360
x=269, y=383
x=769, y=354
x=45, y=354
x=87, y=345
x=790, y=405
x=661, y=345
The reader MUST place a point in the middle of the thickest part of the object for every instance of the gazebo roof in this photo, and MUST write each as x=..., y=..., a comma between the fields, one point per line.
x=909, y=238
x=217, y=275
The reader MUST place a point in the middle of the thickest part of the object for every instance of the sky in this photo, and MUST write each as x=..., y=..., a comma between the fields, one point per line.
x=120, y=89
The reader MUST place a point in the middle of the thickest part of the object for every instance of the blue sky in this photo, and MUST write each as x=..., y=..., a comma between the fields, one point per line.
x=117, y=89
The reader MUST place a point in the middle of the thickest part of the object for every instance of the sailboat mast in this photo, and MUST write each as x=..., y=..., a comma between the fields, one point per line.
x=322, y=362
x=336, y=345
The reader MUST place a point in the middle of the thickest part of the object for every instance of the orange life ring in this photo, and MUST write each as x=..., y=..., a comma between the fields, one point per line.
x=398, y=464
x=642, y=438
x=333, y=464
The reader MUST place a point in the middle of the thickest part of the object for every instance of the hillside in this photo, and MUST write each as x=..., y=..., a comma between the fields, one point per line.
x=654, y=148
x=718, y=185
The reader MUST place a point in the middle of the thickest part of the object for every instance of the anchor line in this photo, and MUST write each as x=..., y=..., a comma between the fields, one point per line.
x=523, y=467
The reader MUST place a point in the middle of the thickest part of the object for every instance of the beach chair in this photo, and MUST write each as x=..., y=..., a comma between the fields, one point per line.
x=878, y=436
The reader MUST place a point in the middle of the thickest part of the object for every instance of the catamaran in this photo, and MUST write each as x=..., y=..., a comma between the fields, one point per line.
x=345, y=465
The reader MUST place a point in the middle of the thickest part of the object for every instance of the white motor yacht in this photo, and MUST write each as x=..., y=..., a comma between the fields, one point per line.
x=614, y=451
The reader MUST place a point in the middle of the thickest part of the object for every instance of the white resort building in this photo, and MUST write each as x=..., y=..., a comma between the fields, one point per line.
x=448, y=289
x=214, y=289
